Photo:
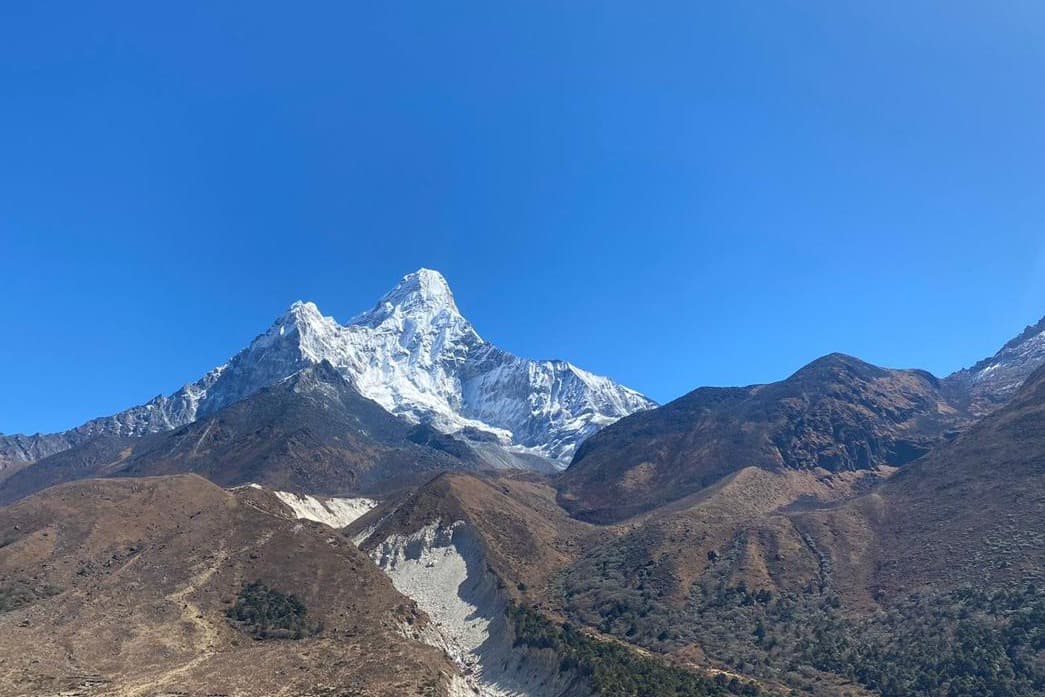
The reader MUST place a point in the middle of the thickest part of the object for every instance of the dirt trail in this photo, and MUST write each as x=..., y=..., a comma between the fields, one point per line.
x=207, y=633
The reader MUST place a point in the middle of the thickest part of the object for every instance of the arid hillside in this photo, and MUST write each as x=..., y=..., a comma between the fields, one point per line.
x=124, y=587
x=836, y=414
x=932, y=577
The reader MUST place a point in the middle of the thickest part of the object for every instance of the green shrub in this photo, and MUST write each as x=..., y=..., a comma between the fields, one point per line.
x=614, y=670
x=265, y=613
x=18, y=594
x=964, y=642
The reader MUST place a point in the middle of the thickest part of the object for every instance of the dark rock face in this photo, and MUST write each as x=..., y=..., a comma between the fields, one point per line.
x=18, y=448
x=837, y=414
x=313, y=432
x=993, y=381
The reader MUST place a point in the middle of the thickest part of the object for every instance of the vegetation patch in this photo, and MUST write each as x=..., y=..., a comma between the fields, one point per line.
x=964, y=642
x=624, y=594
x=612, y=669
x=265, y=613
x=16, y=594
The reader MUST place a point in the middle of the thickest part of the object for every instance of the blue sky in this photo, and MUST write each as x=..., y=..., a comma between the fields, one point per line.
x=673, y=194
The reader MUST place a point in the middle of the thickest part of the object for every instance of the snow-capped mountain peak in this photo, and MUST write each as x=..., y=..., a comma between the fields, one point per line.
x=416, y=321
x=302, y=333
x=302, y=312
x=418, y=357
x=421, y=294
x=302, y=319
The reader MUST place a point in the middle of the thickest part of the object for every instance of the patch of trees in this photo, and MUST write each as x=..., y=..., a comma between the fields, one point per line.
x=614, y=670
x=265, y=613
x=964, y=642
x=625, y=595
x=958, y=643
x=937, y=643
x=16, y=594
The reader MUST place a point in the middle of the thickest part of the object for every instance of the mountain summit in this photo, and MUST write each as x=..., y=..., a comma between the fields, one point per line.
x=415, y=355
x=422, y=293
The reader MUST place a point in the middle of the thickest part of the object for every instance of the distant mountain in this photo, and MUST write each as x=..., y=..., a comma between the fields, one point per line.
x=414, y=354
x=991, y=383
x=309, y=433
x=836, y=414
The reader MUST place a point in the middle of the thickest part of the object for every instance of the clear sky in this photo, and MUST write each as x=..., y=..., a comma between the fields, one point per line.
x=670, y=193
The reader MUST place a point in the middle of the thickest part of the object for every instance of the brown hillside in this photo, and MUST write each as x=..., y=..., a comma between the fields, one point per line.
x=120, y=587
x=527, y=537
x=836, y=414
x=933, y=578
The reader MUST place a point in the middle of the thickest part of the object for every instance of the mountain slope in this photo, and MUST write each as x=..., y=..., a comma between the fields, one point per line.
x=930, y=583
x=836, y=414
x=971, y=510
x=934, y=580
x=310, y=433
x=993, y=381
x=414, y=354
x=121, y=587
x=480, y=554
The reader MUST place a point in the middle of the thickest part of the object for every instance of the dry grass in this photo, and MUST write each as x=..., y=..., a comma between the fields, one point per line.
x=147, y=568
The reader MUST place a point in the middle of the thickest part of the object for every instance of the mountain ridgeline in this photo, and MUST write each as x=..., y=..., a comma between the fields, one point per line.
x=414, y=354
x=836, y=414
x=312, y=432
x=850, y=530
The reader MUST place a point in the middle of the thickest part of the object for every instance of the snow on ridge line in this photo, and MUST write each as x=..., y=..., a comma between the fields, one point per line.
x=335, y=512
x=415, y=355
